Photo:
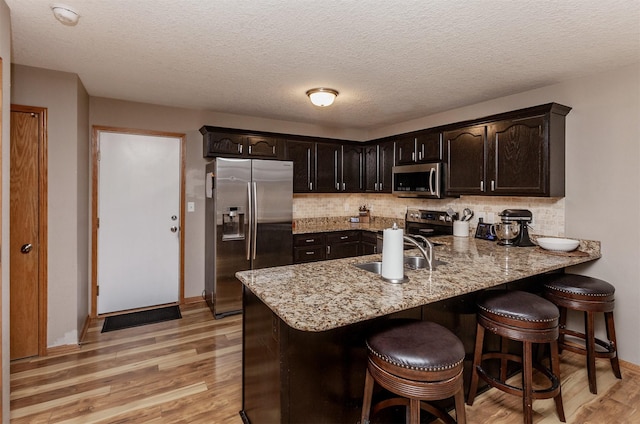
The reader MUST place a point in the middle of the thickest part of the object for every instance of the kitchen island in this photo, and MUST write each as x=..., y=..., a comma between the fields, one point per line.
x=304, y=325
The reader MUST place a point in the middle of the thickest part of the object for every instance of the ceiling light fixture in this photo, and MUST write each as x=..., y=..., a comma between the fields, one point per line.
x=65, y=14
x=322, y=97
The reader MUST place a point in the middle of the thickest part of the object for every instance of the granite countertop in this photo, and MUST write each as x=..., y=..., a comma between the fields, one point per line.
x=342, y=224
x=320, y=296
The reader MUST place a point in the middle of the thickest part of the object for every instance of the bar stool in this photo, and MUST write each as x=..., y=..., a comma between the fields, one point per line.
x=419, y=361
x=589, y=295
x=524, y=317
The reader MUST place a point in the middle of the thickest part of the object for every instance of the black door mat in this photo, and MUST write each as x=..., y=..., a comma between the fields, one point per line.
x=136, y=319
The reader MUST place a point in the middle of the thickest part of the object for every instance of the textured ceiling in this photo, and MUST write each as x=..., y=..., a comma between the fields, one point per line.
x=392, y=61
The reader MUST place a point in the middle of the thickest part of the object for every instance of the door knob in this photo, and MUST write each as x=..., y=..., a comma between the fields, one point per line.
x=26, y=248
x=174, y=229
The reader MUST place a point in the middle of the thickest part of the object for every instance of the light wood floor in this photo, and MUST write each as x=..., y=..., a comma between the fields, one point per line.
x=189, y=371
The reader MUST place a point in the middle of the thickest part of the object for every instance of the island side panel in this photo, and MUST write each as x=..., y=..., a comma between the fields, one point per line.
x=262, y=383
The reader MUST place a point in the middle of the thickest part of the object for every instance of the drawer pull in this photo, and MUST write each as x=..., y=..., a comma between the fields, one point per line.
x=309, y=253
x=310, y=240
x=344, y=237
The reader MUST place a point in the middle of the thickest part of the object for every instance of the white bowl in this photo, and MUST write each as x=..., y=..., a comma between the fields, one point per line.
x=558, y=244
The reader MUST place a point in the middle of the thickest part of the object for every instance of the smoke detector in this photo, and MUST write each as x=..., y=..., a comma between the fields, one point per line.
x=65, y=14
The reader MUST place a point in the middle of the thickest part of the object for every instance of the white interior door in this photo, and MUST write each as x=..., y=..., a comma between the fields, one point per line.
x=139, y=219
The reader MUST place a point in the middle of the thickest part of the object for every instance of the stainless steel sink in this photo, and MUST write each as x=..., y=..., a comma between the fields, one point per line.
x=411, y=262
x=418, y=262
x=375, y=267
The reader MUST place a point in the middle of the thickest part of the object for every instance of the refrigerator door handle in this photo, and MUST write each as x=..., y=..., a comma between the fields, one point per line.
x=250, y=221
x=255, y=219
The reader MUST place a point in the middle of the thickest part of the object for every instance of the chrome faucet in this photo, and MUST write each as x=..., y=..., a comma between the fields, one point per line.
x=428, y=256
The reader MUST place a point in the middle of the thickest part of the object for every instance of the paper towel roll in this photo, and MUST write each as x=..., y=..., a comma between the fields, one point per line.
x=393, y=253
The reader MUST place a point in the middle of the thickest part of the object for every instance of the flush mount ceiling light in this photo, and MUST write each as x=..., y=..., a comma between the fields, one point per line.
x=65, y=14
x=322, y=96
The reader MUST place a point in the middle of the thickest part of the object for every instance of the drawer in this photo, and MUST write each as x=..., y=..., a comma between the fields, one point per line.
x=343, y=237
x=309, y=254
x=310, y=239
x=369, y=237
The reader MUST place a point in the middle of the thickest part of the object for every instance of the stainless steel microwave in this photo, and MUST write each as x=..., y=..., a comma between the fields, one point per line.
x=419, y=180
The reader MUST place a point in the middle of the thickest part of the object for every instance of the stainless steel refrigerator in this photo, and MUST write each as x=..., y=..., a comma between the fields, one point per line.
x=248, y=225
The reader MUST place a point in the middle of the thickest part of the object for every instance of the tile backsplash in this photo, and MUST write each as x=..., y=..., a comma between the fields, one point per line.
x=548, y=213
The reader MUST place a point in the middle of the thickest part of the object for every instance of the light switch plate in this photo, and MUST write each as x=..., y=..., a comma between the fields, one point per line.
x=191, y=206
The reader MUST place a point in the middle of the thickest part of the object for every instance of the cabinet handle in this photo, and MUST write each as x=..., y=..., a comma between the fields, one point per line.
x=375, y=249
x=399, y=153
x=240, y=148
x=481, y=185
x=250, y=150
x=310, y=253
x=273, y=150
x=375, y=187
x=328, y=250
x=310, y=240
x=344, y=186
x=413, y=156
x=344, y=237
x=493, y=185
x=422, y=152
x=309, y=169
x=335, y=169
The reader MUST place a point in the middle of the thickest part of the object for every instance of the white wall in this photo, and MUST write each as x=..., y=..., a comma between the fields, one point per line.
x=602, y=176
x=5, y=53
x=63, y=96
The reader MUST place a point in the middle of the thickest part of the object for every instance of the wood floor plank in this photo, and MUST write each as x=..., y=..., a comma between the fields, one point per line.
x=189, y=371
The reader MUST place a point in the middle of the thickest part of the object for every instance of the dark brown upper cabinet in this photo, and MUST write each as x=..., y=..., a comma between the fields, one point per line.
x=230, y=142
x=421, y=147
x=466, y=158
x=378, y=163
x=303, y=156
x=339, y=167
x=519, y=153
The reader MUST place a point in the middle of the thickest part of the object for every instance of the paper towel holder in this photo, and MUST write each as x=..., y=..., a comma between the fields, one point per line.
x=404, y=279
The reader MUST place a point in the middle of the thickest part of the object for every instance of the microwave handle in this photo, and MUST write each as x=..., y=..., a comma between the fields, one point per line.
x=432, y=175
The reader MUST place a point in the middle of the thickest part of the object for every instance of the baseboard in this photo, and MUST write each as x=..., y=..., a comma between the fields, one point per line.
x=195, y=299
x=629, y=365
x=62, y=350
x=85, y=329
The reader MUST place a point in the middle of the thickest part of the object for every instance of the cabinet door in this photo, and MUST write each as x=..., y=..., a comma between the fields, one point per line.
x=385, y=161
x=371, y=168
x=517, y=155
x=466, y=158
x=302, y=153
x=264, y=147
x=343, y=244
x=352, y=167
x=405, y=151
x=327, y=161
x=429, y=146
x=223, y=144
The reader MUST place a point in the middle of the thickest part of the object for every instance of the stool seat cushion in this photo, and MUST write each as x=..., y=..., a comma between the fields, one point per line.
x=518, y=305
x=417, y=345
x=579, y=285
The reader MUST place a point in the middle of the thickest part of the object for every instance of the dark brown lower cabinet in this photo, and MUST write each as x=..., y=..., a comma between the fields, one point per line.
x=333, y=245
x=291, y=376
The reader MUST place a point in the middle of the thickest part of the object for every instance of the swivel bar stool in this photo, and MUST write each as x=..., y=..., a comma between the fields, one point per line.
x=588, y=295
x=524, y=317
x=419, y=361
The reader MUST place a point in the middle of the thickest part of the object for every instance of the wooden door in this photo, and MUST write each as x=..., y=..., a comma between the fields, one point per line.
x=429, y=146
x=28, y=249
x=406, y=151
x=352, y=168
x=518, y=155
x=302, y=154
x=327, y=162
x=466, y=158
x=139, y=211
x=386, y=160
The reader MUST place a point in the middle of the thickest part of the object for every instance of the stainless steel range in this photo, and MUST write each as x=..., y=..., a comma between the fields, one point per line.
x=428, y=223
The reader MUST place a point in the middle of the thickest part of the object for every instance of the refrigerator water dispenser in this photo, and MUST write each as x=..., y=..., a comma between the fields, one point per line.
x=233, y=224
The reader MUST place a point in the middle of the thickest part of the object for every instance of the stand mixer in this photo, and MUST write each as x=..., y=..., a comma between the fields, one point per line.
x=515, y=231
